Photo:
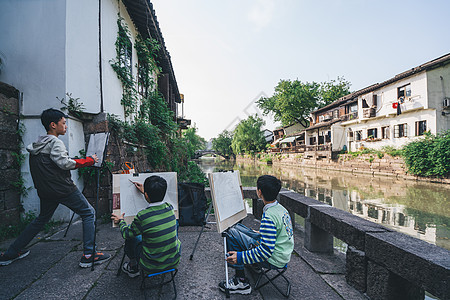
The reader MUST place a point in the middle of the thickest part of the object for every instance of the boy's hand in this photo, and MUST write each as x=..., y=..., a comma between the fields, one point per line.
x=95, y=157
x=232, y=257
x=139, y=186
x=116, y=218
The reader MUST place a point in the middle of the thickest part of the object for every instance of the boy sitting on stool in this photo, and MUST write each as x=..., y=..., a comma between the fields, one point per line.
x=271, y=247
x=151, y=238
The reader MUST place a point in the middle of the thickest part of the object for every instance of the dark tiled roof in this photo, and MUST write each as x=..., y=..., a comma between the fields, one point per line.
x=144, y=18
x=443, y=60
x=322, y=124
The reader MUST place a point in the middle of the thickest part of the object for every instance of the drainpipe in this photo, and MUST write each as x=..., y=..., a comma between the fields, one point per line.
x=100, y=53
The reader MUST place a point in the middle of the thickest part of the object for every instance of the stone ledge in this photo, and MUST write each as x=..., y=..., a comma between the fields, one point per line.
x=417, y=261
x=343, y=225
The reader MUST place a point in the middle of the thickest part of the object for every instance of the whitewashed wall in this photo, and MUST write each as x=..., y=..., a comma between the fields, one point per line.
x=112, y=88
x=82, y=58
x=32, y=42
x=438, y=88
x=387, y=95
x=409, y=118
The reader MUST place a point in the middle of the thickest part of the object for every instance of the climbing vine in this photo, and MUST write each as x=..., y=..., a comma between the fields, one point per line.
x=122, y=66
x=151, y=123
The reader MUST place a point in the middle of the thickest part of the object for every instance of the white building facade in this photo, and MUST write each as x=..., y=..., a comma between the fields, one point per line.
x=391, y=113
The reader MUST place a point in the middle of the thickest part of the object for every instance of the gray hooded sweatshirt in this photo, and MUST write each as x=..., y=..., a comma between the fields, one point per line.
x=50, y=167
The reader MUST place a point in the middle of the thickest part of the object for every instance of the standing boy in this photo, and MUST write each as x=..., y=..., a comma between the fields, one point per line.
x=151, y=238
x=50, y=167
x=271, y=247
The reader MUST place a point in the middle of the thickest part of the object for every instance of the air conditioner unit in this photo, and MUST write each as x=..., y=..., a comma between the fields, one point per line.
x=446, y=102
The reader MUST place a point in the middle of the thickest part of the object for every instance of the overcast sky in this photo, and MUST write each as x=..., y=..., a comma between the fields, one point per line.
x=227, y=53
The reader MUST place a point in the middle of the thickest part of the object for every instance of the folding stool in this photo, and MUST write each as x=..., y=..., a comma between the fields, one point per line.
x=280, y=272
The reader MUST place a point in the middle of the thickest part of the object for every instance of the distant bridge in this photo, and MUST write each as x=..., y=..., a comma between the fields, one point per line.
x=200, y=153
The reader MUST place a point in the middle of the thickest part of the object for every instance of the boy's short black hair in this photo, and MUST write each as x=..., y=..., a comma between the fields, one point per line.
x=155, y=187
x=51, y=115
x=269, y=185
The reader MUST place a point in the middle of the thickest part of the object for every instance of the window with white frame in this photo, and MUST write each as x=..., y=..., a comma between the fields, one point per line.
x=421, y=127
x=400, y=130
x=385, y=132
x=358, y=135
x=372, y=133
x=404, y=92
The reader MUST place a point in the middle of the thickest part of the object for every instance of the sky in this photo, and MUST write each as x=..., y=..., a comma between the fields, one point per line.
x=227, y=54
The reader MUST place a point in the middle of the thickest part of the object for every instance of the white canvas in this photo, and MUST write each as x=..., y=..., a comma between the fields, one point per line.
x=229, y=207
x=97, y=145
x=132, y=201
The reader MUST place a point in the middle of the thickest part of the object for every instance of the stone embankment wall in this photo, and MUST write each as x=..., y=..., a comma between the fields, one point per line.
x=369, y=164
x=10, y=206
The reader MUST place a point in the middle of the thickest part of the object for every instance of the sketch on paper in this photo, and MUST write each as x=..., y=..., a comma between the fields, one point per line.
x=132, y=201
x=229, y=207
x=97, y=145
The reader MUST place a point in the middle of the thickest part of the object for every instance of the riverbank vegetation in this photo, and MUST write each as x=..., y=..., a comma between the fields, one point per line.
x=429, y=156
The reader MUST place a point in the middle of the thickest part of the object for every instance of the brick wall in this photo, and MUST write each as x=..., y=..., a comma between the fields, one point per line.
x=10, y=206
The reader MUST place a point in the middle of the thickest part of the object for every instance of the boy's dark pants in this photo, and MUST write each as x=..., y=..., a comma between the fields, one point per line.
x=241, y=238
x=133, y=247
x=77, y=203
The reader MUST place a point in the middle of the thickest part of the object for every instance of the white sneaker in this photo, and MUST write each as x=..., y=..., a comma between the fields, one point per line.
x=132, y=272
x=236, y=286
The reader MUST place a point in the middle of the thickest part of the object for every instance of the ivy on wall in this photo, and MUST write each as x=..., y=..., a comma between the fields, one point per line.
x=151, y=122
x=122, y=66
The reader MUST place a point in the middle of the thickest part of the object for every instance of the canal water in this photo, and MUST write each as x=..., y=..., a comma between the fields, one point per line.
x=419, y=209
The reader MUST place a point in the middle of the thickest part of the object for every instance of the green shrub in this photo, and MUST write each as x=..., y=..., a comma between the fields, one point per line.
x=429, y=156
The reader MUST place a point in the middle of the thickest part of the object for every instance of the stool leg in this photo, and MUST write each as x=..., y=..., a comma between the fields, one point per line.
x=173, y=283
x=121, y=263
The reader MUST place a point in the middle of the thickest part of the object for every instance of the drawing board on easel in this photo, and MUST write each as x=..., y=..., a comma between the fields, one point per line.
x=97, y=145
x=227, y=198
x=127, y=199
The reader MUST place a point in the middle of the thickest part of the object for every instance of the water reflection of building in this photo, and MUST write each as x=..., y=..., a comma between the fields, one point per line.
x=376, y=210
x=417, y=209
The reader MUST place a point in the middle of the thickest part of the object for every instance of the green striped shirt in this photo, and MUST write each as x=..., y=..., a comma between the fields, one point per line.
x=160, y=244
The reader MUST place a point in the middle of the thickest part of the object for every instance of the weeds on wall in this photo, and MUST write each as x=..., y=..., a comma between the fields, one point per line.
x=19, y=159
x=72, y=105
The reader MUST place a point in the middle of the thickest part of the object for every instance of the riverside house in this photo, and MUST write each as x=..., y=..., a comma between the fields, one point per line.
x=51, y=48
x=390, y=113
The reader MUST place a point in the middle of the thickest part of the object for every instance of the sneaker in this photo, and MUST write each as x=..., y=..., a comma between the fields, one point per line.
x=236, y=286
x=132, y=272
x=6, y=259
x=86, y=262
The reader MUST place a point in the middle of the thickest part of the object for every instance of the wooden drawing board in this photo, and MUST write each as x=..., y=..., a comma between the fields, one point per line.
x=97, y=145
x=127, y=199
x=228, y=201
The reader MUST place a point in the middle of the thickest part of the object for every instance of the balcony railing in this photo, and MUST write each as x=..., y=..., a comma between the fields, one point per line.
x=350, y=116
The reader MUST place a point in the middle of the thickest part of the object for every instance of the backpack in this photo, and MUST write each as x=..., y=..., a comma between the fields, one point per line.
x=192, y=204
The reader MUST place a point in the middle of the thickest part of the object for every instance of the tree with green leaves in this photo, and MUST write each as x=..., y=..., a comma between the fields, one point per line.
x=222, y=144
x=248, y=136
x=193, y=141
x=293, y=101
